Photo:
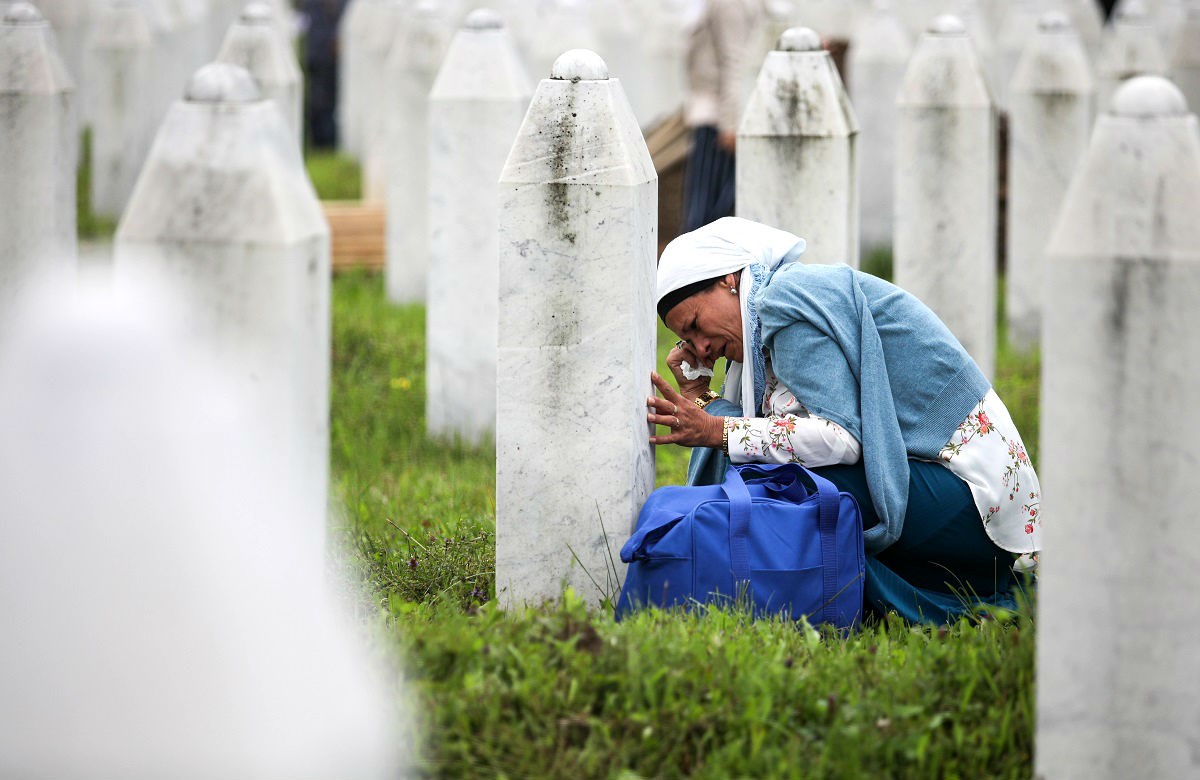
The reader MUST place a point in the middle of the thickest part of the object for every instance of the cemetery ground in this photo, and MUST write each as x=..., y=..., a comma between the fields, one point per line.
x=565, y=691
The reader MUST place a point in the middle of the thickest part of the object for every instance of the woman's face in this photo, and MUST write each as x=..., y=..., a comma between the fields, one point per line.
x=711, y=322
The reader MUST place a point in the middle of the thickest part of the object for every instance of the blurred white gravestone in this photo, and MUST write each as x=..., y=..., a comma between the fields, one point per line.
x=133, y=475
x=1019, y=27
x=1130, y=47
x=387, y=24
x=578, y=242
x=1118, y=619
x=1088, y=20
x=797, y=165
x=945, y=247
x=224, y=209
x=38, y=145
x=1052, y=102
x=1185, y=56
x=876, y=63
x=357, y=21
x=71, y=21
x=564, y=24
x=254, y=43
x=402, y=153
x=120, y=66
x=476, y=107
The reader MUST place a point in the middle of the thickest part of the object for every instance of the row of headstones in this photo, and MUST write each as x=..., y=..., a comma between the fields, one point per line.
x=1131, y=45
x=222, y=210
x=134, y=75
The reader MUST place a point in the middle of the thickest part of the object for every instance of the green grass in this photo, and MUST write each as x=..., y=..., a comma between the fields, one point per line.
x=335, y=176
x=90, y=226
x=564, y=691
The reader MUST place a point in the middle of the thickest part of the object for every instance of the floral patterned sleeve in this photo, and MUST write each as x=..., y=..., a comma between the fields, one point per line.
x=789, y=434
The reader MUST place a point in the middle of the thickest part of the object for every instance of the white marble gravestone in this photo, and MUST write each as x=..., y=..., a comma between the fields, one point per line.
x=398, y=161
x=356, y=21
x=1051, y=107
x=38, y=144
x=945, y=245
x=136, y=478
x=578, y=241
x=876, y=63
x=1118, y=619
x=375, y=104
x=120, y=66
x=224, y=210
x=1130, y=47
x=797, y=162
x=254, y=42
x=475, y=110
x=1184, y=56
x=72, y=21
x=1019, y=26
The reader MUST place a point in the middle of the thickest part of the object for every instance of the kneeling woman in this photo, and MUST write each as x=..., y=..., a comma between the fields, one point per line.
x=860, y=381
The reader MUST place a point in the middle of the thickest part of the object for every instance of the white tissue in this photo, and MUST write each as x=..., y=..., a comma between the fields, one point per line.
x=694, y=373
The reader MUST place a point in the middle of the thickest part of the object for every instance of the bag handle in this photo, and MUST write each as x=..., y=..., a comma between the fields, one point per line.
x=739, y=524
x=829, y=499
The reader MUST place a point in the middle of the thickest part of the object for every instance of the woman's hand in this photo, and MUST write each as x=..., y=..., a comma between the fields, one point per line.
x=690, y=425
x=691, y=389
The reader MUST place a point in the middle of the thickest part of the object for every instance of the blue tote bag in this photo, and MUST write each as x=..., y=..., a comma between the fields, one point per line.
x=781, y=537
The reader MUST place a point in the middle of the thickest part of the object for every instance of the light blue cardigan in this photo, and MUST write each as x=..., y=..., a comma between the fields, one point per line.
x=869, y=356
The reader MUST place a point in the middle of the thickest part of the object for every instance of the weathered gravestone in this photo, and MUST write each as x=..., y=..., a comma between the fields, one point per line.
x=797, y=162
x=38, y=145
x=1130, y=47
x=398, y=163
x=876, y=63
x=564, y=24
x=475, y=110
x=578, y=206
x=120, y=67
x=224, y=212
x=254, y=42
x=1052, y=102
x=1118, y=619
x=1184, y=57
x=945, y=245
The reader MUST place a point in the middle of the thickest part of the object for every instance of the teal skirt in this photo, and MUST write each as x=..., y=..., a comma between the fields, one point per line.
x=942, y=567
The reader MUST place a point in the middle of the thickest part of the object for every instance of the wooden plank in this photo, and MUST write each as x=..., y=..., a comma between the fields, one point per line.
x=358, y=234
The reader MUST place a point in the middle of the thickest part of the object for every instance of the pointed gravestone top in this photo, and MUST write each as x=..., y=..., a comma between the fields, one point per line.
x=483, y=19
x=23, y=13
x=799, y=39
x=222, y=83
x=257, y=13
x=947, y=24
x=1054, y=22
x=579, y=65
x=1145, y=97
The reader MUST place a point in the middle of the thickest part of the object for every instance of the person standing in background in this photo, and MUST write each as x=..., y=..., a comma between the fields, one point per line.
x=722, y=36
x=321, y=68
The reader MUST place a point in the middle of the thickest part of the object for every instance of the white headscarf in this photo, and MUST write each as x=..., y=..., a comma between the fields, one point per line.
x=729, y=245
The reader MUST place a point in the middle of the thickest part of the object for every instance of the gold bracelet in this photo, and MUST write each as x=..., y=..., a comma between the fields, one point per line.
x=706, y=399
x=725, y=435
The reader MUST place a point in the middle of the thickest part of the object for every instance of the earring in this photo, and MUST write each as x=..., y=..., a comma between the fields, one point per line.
x=733, y=290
